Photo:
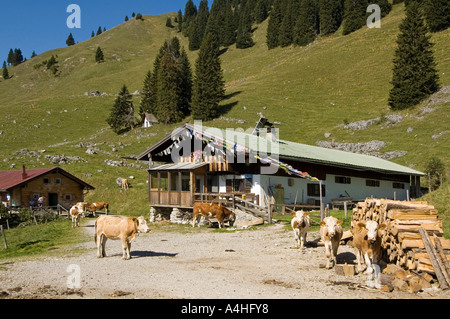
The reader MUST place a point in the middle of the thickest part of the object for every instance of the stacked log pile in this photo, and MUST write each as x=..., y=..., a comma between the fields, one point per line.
x=402, y=240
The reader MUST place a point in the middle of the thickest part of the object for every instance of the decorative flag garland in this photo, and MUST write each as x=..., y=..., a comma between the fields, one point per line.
x=218, y=143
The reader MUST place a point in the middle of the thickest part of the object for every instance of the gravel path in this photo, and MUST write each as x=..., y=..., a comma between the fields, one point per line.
x=251, y=264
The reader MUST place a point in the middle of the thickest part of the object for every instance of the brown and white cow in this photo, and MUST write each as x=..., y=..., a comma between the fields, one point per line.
x=301, y=223
x=76, y=212
x=220, y=212
x=331, y=233
x=94, y=207
x=123, y=228
x=367, y=242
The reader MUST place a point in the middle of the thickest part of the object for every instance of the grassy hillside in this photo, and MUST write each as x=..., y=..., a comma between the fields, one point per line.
x=311, y=90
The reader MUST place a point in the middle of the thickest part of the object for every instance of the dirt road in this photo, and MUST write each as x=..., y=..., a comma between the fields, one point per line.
x=249, y=264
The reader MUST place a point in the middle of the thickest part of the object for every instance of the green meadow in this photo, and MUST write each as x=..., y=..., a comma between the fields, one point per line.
x=310, y=90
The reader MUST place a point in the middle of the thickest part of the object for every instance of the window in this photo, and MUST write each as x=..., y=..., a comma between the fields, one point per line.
x=46, y=180
x=174, y=181
x=398, y=185
x=213, y=184
x=342, y=180
x=235, y=185
x=68, y=197
x=164, y=182
x=372, y=183
x=314, y=190
x=185, y=182
x=58, y=181
x=154, y=181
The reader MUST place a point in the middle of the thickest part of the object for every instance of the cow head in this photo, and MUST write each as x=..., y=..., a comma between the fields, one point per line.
x=230, y=216
x=331, y=224
x=372, y=228
x=142, y=225
x=301, y=217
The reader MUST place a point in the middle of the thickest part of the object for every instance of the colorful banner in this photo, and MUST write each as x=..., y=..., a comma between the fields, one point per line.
x=218, y=143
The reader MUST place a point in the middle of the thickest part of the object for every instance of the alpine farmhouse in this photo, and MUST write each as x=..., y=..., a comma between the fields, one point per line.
x=196, y=161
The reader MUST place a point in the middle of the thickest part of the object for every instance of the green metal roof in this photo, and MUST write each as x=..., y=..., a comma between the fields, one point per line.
x=315, y=154
x=287, y=150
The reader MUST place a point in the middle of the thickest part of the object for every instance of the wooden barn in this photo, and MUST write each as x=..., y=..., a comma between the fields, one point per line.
x=23, y=188
x=198, y=163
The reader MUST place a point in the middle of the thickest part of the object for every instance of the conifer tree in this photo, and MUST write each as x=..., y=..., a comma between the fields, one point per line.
x=198, y=26
x=186, y=83
x=155, y=82
x=261, y=11
x=190, y=12
x=168, y=109
x=414, y=75
x=306, y=28
x=122, y=113
x=99, y=31
x=331, y=15
x=355, y=12
x=244, y=32
x=11, y=57
x=180, y=21
x=99, y=57
x=385, y=6
x=70, y=40
x=169, y=23
x=285, y=33
x=5, y=71
x=437, y=14
x=148, y=101
x=276, y=17
x=15, y=57
x=209, y=86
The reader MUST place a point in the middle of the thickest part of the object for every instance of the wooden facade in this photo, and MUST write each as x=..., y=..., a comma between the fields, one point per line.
x=55, y=186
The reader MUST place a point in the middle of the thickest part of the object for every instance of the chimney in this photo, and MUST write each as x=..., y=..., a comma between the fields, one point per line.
x=24, y=172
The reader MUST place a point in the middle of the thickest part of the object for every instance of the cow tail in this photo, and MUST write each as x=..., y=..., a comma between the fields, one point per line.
x=95, y=232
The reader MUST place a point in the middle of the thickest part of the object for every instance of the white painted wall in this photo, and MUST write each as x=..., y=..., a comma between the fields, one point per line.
x=357, y=189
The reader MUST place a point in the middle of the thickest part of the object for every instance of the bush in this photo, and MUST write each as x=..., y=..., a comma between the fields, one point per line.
x=435, y=170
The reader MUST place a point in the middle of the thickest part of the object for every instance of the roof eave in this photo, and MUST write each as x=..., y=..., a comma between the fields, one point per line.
x=355, y=167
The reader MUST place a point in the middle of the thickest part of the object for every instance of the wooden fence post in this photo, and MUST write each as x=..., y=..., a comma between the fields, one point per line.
x=4, y=237
x=345, y=209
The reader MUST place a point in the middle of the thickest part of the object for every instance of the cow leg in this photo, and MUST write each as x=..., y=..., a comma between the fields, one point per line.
x=335, y=247
x=368, y=261
x=101, y=240
x=303, y=241
x=99, y=245
x=358, y=258
x=297, y=237
x=194, y=219
x=329, y=254
x=126, y=245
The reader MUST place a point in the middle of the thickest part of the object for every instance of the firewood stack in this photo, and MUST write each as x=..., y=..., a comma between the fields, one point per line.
x=401, y=240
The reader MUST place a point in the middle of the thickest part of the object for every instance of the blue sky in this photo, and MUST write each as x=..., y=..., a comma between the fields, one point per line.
x=42, y=25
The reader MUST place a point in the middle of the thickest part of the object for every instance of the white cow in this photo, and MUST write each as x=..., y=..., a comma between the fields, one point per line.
x=300, y=225
x=331, y=233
